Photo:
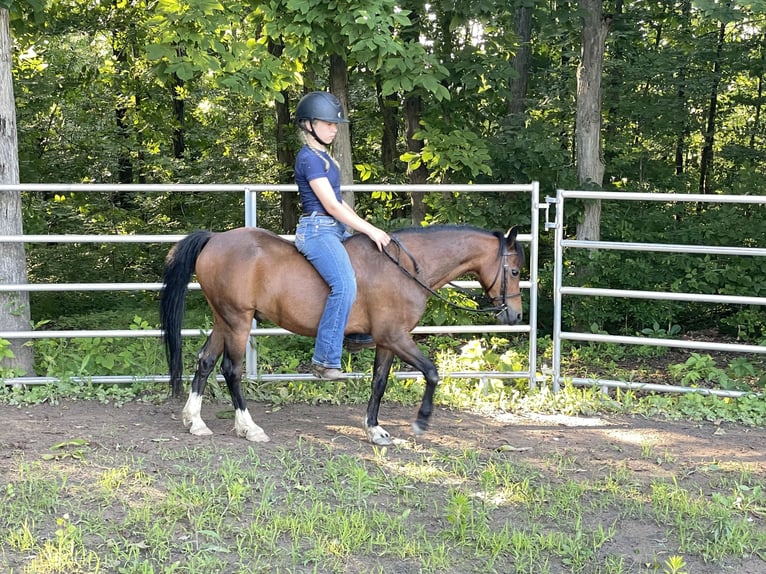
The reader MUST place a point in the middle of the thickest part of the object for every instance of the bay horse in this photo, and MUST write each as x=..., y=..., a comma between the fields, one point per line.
x=251, y=272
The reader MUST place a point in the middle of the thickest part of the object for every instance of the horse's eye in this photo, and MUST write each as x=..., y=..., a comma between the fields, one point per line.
x=515, y=272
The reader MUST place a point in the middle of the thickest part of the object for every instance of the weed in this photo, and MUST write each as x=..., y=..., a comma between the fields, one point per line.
x=658, y=332
x=675, y=565
x=309, y=507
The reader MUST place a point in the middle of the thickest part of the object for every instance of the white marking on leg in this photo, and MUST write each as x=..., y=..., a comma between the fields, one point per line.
x=378, y=435
x=192, y=417
x=246, y=428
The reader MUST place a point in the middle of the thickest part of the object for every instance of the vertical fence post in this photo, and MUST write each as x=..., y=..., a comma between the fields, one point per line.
x=534, y=249
x=558, y=270
x=251, y=351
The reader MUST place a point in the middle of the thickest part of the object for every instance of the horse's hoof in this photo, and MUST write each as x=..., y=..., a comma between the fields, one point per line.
x=200, y=430
x=257, y=435
x=245, y=427
x=419, y=429
x=379, y=436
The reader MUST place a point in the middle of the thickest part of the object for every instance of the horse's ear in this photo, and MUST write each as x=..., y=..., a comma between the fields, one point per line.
x=510, y=235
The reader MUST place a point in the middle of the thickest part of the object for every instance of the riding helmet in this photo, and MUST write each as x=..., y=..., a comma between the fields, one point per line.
x=320, y=106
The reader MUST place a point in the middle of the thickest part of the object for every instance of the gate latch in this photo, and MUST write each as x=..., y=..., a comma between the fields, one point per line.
x=548, y=202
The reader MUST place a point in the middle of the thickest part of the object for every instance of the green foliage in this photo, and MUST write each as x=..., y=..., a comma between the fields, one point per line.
x=702, y=370
x=658, y=332
x=6, y=353
x=697, y=406
x=454, y=153
x=283, y=354
x=84, y=357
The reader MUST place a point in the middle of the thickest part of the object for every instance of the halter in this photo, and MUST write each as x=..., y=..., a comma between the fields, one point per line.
x=498, y=309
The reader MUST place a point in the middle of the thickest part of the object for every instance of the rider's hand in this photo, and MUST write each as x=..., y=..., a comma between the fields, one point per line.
x=379, y=237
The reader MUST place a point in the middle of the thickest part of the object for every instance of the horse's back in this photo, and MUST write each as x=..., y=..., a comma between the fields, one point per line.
x=237, y=261
x=245, y=241
x=252, y=270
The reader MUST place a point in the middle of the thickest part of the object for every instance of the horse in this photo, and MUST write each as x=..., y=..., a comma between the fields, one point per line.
x=250, y=272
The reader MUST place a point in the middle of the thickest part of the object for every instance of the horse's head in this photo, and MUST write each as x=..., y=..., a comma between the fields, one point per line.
x=501, y=277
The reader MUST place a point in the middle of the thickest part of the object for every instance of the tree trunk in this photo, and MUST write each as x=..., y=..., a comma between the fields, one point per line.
x=413, y=106
x=14, y=306
x=286, y=157
x=522, y=27
x=341, y=147
x=706, y=160
x=388, y=107
x=285, y=153
x=755, y=128
x=124, y=162
x=590, y=163
x=683, y=132
x=683, y=107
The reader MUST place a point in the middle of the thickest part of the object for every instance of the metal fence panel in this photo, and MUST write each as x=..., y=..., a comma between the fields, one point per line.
x=250, y=191
x=559, y=290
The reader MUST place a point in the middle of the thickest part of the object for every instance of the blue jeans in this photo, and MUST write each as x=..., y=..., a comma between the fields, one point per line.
x=320, y=239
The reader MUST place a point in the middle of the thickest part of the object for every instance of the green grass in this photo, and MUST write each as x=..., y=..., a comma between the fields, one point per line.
x=310, y=507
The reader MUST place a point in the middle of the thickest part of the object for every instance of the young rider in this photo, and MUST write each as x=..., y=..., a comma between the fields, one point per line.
x=322, y=228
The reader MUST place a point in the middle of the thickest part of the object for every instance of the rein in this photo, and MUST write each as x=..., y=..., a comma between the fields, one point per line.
x=497, y=309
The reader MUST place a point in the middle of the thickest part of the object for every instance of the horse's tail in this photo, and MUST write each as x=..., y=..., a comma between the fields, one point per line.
x=179, y=266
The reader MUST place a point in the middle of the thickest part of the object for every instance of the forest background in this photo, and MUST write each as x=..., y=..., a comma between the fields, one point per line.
x=479, y=91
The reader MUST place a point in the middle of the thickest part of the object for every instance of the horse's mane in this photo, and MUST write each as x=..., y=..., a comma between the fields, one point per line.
x=445, y=227
x=451, y=227
x=503, y=242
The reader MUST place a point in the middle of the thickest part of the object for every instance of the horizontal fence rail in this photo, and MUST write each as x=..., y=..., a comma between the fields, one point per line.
x=561, y=290
x=250, y=193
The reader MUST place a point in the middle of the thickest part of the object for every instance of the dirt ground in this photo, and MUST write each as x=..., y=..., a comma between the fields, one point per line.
x=680, y=449
x=610, y=439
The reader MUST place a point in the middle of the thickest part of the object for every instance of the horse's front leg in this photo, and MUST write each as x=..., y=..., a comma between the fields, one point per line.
x=244, y=425
x=206, y=360
x=409, y=352
x=420, y=425
x=382, y=367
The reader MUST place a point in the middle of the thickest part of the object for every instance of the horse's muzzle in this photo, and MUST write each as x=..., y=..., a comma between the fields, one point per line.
x=509, y=316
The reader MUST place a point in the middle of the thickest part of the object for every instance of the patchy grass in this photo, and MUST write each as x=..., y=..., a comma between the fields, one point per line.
x=124, y=492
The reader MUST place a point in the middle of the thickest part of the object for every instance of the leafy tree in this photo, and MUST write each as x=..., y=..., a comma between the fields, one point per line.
x=452, y=91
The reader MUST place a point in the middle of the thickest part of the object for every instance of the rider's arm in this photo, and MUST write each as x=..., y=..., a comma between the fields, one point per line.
x=343, y=213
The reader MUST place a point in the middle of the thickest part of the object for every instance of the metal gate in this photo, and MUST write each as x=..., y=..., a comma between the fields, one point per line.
x=560, y=290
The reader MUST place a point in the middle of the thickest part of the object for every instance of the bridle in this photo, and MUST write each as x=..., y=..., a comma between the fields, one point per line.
x=497, y=308
x=502, y=272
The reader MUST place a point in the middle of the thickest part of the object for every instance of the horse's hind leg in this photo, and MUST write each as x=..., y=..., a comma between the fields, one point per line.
x=376, y=433
x=231, y=367
x=206, y=360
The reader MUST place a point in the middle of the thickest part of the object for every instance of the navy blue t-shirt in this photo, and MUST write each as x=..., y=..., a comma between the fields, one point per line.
x=312, y=164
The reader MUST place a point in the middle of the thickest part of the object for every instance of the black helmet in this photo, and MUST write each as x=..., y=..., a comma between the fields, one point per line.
x=320, y=106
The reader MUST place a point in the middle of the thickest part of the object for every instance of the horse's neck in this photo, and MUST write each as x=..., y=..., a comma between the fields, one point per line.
x=443, y=263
